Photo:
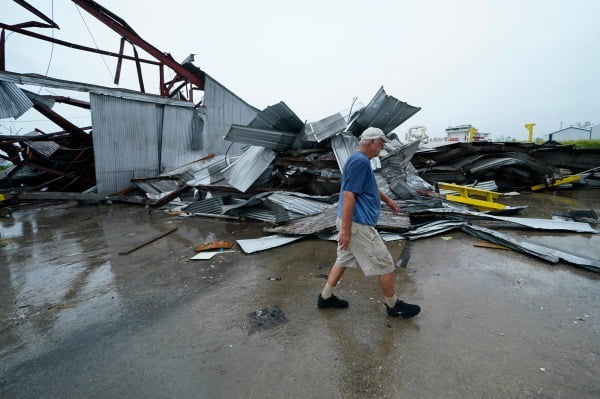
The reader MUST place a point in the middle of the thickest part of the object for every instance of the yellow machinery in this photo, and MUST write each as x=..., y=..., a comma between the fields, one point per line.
x=529, y=127
x=557, y=182
x=464, y=195
x=472, y=132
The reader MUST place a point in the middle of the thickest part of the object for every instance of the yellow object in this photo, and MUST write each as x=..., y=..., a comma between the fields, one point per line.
x=2, y=197
x=557, y=182
x=466, y=194
x=529, y=126
x=472, y=132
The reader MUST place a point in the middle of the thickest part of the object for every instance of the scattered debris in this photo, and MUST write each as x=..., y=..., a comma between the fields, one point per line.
x=265, y=319
x=214, y=245
x=161, y=235
x=208, y=255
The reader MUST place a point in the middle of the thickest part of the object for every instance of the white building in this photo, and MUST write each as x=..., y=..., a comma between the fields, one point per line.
x=571, y=133
x=461, y=133
x=595, y=134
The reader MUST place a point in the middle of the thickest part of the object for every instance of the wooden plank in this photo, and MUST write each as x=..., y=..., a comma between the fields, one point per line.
x=161, y=235
x=486, y=244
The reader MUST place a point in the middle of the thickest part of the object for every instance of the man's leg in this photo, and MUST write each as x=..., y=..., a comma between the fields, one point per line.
x=394, y=306
x=327, y=299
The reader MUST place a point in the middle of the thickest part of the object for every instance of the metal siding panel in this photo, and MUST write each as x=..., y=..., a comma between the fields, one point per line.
x=268, y=138
x=126, y=139
x=177, y=138
x=223, y=108
x=13, y=101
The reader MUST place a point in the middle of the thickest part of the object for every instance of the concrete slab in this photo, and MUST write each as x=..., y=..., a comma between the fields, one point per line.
x=79, y=320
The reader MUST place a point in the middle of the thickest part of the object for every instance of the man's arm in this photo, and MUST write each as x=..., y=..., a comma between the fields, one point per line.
x=389, y=202
x=347, y=211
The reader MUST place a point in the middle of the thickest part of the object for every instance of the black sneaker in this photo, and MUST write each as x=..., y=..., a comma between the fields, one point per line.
x=331, y=302
x=404, y=310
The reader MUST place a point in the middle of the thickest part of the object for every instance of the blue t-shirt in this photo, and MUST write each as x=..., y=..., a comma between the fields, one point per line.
x=358, y=177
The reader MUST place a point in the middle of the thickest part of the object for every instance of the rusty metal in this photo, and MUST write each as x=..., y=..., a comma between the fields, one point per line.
x=121, y=27
x=120, y=61
x=33, y=10
x=71, y=45
x=75, y=131
x=71, y=101
x=138, y=67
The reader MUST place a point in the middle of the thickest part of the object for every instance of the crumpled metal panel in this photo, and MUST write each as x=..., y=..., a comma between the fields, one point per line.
x=45, y=148
x=324, y=128
x=301, y=206
x=260, y=244
x=244, y=172
x=384, y=112
x=310, y=224
x=210, y=205
x=433, y=228
x=545, y=252
x=279, y=117
x=268, y=138
x=395, y=162
x=39, y=100
x=388, y=221
x=204, y=171
x=541, y=224
x=13, y=101
x=158, y=187
x=343, y=146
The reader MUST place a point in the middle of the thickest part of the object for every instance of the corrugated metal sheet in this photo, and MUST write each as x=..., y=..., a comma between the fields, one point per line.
x=302, y=206
x=127, y=136
x=534, y=223
x=529, y=247
x=39, y=80
x=343, y=146
x=44, y=148
x=157, y=187
x=39, y=100
x=222, y=109
x=279, y=117
x=176, y=139
x=261, y=244
x=209, y=205
x=325, y=128
x=273, y=216
x=384, y=112
x=268, y=138
x=244, y=172
x=13, y=102
x=205, y=171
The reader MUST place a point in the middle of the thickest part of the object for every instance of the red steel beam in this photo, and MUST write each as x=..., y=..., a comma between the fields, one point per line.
x=76, y=132
x=73, y=45
x=122, y=28
x=32, y=9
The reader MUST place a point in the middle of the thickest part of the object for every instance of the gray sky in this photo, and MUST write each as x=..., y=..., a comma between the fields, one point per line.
x=496, y=64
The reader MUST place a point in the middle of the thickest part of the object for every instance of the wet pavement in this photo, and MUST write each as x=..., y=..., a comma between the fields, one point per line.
x=79, y=320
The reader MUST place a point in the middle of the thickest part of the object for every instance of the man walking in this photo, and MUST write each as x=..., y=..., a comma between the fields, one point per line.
x=358, y=241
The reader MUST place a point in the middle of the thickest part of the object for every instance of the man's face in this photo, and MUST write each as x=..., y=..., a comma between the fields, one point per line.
x=375, y=148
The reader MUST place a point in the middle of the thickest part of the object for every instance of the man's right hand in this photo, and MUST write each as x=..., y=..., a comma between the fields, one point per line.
x=344, y=239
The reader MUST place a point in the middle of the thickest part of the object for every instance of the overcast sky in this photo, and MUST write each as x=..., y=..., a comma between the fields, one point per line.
x=495, y=64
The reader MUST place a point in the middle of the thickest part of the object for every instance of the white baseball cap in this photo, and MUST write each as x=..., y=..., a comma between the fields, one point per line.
x=374, y=133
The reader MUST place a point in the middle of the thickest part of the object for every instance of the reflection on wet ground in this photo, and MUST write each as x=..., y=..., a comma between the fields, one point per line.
x=70, y=307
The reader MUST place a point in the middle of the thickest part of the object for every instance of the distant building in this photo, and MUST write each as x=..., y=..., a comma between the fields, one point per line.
x=461, y=133
x=572, y=133
x=595, y=133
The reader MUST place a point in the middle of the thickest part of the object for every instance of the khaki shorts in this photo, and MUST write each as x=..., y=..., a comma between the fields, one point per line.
x=367, y=249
